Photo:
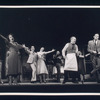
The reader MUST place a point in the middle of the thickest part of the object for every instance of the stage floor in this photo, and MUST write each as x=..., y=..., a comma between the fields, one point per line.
x=52, y=87
x=51, y=83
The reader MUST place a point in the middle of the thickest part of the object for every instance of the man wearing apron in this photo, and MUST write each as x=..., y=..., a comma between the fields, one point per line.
x=94, y=49
x=69, y=54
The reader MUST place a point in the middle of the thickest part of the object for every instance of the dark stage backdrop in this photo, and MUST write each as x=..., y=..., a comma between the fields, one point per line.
x=50, y=28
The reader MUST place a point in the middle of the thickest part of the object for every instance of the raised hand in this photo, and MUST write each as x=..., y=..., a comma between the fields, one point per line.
x=23, y=45
x=3, y=37
x=94, y=52
x=53, y=50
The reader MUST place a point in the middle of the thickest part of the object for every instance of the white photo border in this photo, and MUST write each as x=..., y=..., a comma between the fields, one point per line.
x=47, y=94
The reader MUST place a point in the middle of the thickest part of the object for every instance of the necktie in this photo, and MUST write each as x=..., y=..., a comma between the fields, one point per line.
x=96, y=46
x=72, y=46
x=95, y=42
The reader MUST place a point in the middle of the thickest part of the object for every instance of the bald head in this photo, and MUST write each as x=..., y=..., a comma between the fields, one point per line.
x=73, y=39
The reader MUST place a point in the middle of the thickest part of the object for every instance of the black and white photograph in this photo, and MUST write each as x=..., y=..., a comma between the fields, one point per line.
x=49, y=49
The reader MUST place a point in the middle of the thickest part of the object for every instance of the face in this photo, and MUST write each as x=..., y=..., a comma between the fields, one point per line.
x=96, y=36
x=42, y=49
x=54, y=56
x=32, y=48
x=57, y=52
x=73, y=40
x=11, y=38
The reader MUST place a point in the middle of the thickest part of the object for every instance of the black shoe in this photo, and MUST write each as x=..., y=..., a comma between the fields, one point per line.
x=2, y=82
x=64, y=82
x=58, y=81
x=45, y=81
x=91, y=74
x=82, y=81
x=74, y=81
x=98, y=81
x=10, y=83
x=40, y=81
x=32, y=81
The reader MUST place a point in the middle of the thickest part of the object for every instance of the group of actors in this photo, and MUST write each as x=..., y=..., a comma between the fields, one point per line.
x=70, y=58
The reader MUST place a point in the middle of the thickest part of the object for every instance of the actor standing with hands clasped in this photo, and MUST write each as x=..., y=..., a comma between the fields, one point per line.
x=94, y=49
x=69, y=54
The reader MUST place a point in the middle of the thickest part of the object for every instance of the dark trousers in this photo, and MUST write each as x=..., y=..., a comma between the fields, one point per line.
x=58, y=72
x=73, y=74
x=96, y=67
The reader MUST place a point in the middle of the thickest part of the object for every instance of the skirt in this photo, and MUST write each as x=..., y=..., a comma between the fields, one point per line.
x=14, y=64
x=41, y=67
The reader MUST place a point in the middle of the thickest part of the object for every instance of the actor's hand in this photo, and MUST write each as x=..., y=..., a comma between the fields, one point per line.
x=94, y=52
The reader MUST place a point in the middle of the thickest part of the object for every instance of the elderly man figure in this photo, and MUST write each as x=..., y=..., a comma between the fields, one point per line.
x=69, y=53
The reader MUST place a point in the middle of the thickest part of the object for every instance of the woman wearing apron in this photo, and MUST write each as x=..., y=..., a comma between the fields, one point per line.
x=41, y=66
x=69, y=54
x=32, y=60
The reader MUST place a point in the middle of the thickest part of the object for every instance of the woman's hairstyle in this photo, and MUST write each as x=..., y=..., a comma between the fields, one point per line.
x=42, y=48
x=8, y=36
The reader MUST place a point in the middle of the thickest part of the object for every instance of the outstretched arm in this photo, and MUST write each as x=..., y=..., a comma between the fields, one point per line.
x=3, y=37
x=49, y=51
x=20, y=46
x=26, y=49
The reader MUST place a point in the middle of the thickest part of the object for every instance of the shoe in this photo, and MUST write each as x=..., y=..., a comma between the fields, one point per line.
x=82, y=81
x=15, y=83
x=32, y=81
x=2, y=82
x=10, y=83
x=74, y=81
x=98, y=81
x=63, y=82
x=45, y=81
x=58, y=81
x=91, y=74
x=40, y=81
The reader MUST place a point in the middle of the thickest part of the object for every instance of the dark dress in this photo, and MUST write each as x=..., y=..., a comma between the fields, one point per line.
x=58, y=65
x=14, y=63
x=81, y=65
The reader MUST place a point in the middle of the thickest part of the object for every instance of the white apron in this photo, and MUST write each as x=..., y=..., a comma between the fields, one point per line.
x=71, y=62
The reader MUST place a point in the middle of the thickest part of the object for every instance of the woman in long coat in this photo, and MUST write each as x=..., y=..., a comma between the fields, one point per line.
x=13, y=60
